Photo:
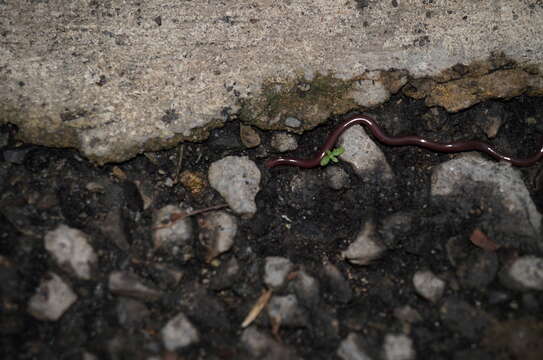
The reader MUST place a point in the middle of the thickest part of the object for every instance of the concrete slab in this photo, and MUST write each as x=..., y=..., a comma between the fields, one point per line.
x=116, y=78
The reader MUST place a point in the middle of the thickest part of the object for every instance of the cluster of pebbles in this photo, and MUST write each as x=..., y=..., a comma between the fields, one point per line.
x=217, y=257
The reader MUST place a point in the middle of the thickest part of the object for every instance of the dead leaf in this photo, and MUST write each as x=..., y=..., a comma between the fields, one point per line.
x=479, y=238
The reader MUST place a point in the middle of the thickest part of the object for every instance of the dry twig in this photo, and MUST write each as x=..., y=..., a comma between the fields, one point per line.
x=257, y=308
x=182, y=215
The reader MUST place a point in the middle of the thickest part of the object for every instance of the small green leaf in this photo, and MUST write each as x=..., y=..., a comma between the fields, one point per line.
x=331, y=155
x=338, y=151
x=325, y=160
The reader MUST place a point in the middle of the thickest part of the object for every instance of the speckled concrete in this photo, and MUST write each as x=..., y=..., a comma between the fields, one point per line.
x=115, y=78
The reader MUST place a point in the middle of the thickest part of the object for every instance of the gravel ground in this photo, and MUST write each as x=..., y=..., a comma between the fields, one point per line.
x=200, y=252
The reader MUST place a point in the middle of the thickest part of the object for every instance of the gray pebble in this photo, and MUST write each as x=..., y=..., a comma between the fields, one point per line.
x=394, y=227
x=237, y=179
x=524, y=273
x=170, y=232
x=276, y=270
x=336, y=177
x=283, y=142
x=179, y=333
x=496, y=187
x=352, y=348
x=398, y=347
x=71, y=250
x=169, y=182
x=364, y=155
x=428, y=285
x=217, y=232
x=260, y=345
x=306, y=288
x=491, y=118
x=52, y=298
x=365, y=248
x=292, y=122
x=285, y=310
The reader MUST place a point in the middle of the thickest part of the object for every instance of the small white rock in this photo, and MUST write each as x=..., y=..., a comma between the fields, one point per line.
x=285, y=310
x=491, y=125
x=365, y=248
x=179, y=333
x=363, y=154
x=260, y=345
x=276, y=270
x=71, y=250
x=306, y=288
x=428, y=285
x=217, y=232
x=237, y=179
x=284, y=142
x=351, y=348
x=169, y=231
x=518, y=215
x=524, y=273
x=257, y=343
x=336, y=177
x=398, y=347
x=52, y=298
x=292, y=122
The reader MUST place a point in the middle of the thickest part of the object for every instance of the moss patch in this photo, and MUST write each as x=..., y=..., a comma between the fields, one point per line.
x=311, y=102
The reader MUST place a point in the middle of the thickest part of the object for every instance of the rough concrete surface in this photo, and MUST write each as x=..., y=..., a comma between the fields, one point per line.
x=115, y=78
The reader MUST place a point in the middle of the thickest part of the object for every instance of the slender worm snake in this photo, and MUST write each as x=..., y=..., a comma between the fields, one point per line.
x=380, y=135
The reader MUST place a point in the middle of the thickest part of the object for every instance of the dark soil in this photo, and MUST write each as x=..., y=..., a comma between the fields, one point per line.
x=42, y=188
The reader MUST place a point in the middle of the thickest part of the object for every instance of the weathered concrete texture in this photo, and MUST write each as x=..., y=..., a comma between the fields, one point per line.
x=458, y=94
x=115, y=78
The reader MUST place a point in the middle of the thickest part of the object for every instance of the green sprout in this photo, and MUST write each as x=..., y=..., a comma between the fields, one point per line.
x=332, y=155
